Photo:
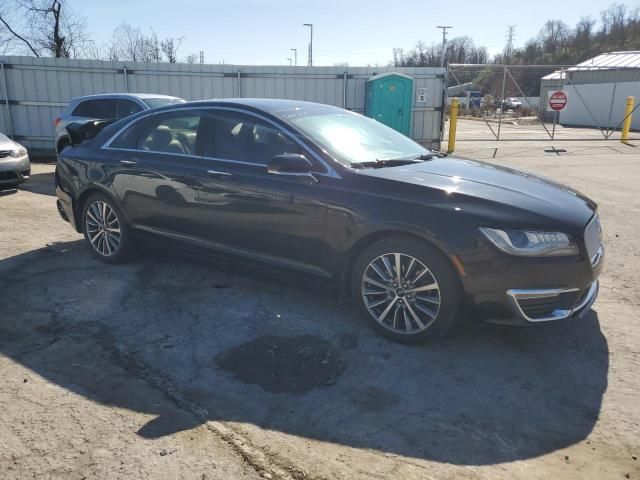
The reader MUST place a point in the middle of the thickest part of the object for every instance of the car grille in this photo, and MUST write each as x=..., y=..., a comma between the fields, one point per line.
x=593, y=240
x=4, y=153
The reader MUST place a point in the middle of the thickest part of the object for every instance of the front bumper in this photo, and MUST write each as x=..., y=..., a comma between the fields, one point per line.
x=521, y=291
x=14, y=170
x=527, y=307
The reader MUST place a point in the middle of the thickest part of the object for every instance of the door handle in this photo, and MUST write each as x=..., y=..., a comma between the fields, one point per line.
x=128, y=163
x=216, y=174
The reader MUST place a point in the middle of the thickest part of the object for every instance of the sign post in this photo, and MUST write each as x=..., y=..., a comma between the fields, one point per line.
x=557, y=102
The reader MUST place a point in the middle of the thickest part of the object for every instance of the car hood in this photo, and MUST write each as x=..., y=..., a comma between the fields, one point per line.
x=7, y=144
x=463, y=180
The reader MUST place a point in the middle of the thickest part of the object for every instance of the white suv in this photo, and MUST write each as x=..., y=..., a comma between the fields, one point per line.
x=105, y=107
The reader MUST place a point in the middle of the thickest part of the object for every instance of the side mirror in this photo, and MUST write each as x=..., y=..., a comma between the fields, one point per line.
x=292, y=164
x=289, y=163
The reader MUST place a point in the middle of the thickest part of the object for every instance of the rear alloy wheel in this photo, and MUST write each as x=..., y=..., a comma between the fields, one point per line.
x=104, y=229
x=407, y=290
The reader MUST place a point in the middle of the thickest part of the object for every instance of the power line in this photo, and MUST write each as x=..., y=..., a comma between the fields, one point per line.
x=508, y=51
x=310, y=57
x=444, y=42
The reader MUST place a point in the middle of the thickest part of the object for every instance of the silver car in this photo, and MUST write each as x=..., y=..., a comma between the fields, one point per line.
x=105, y=107
x=15, y=167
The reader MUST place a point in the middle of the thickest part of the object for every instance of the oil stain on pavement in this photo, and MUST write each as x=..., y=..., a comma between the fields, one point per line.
x=278, y=364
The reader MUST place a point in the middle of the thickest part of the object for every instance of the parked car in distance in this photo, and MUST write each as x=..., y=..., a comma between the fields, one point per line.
x=15, y=167
x=511, y=103
x=412, y=236
x=112, y=106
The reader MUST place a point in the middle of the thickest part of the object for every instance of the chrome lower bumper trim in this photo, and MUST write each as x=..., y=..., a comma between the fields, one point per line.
x=560, y=314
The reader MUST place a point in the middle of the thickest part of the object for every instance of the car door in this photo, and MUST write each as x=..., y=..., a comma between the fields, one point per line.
x=277, y=218
x=159, y=171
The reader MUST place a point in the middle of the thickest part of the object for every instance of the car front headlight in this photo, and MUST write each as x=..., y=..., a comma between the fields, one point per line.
x=528, y=243
x=18, y=152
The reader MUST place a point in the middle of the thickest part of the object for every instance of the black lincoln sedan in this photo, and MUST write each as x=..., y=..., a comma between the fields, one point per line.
x=410, y=235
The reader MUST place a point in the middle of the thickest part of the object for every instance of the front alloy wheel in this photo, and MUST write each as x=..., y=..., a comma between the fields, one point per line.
x=406, y=288
x=401, y=293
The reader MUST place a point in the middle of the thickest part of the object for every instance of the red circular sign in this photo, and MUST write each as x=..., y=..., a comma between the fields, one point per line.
x=558, y=100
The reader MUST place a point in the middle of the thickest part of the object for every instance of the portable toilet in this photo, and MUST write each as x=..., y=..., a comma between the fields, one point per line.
x=388, y=100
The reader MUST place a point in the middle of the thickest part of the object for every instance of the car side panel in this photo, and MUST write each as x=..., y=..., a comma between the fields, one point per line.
x=278, y=216
x=158, y=192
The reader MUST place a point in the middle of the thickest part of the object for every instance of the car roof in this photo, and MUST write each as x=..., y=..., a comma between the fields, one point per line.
x=269, y=105
x=123, y=95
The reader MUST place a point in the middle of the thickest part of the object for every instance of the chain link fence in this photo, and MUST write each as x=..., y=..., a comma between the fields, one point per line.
x=541, y=102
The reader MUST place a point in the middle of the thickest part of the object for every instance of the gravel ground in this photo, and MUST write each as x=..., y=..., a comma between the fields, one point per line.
x=145, y=370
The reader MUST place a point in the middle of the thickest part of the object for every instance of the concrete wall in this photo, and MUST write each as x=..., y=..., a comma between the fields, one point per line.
x=38, y=88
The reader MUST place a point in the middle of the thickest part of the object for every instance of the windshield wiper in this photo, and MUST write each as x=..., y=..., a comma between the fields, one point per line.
x=392, y=162
x=387, y=162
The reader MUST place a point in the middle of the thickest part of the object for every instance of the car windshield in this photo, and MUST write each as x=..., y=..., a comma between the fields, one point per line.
x=160, y=101
x=352, y=138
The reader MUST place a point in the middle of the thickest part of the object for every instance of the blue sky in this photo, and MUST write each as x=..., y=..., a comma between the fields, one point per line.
x=355, y=31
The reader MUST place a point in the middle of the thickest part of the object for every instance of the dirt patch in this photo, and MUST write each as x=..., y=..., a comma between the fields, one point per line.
x=284, y=364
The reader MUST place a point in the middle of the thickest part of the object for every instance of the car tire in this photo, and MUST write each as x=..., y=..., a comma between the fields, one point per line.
x=109, y=240
x=423, y=305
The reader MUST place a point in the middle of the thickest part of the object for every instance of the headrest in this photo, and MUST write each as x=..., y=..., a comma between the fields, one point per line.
x=162, y=135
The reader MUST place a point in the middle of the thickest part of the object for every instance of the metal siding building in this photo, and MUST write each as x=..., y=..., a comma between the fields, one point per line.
x=33, y=91
x=597, y=90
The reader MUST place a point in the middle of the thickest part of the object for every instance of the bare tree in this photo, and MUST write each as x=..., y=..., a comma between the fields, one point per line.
x=169, y=47
x=554, y=36
x=6, y=39
x=46, y=27
x=130, y=43
x=459, y=50
x=398, y=55
x=9, y=35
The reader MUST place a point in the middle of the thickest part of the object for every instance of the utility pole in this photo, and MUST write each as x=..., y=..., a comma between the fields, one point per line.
x=444, y=42
x=295, y=56
x=201, y=57
x=310, y=60
x=508, y=51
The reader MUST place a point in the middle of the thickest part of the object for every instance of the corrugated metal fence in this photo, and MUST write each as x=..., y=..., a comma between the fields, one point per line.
x=33, y=91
